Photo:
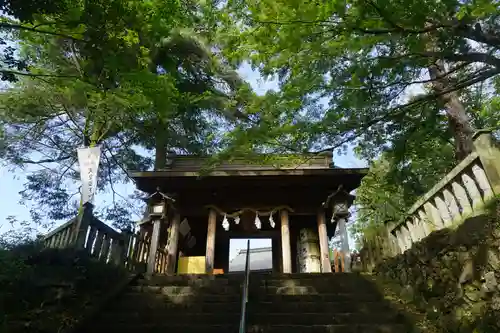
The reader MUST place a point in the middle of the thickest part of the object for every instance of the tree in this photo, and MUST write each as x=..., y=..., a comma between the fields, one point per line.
x=362, y=57
x=395, y=182
x=122, y=75
x=415, y=163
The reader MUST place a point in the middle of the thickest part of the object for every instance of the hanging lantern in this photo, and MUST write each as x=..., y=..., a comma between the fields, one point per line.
x=341, y=209
x=271, y=220
x=225, y=223
x=237, y=220
x=258, y=224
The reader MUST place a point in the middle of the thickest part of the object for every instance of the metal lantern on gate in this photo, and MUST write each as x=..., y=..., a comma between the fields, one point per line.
x=341, y=209
x=156, y=206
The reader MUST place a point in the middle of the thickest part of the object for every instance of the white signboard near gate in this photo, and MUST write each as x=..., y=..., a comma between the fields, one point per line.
x=88, y=159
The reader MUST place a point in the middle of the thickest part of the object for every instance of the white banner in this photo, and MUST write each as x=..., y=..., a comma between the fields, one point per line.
x=88, y=159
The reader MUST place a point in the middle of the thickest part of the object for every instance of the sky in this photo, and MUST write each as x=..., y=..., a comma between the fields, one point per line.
x=11, y=183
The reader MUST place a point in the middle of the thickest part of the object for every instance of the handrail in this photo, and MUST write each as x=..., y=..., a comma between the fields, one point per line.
x=61, y=227
x=244, y=296
x=106, y=228
x=460, y=194
x=105, y=243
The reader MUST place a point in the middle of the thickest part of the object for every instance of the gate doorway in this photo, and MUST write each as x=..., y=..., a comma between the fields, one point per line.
x=261, y=254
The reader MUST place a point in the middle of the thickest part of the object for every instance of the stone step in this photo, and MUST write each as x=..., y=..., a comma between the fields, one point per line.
x=164, y=327
x=131, y=295
x=165, y=304
x=192, y=280
x=320, y=307
x=253, y=289
x=325, y=318
x=139, y=317
x=302, y=276
x=230, y=328
x=179, y=290
x=227, y=279
x=312, y=278
x=223, y=285
x=266, y=319
x=360, y=282
x=319, y=297
x=309, y=276
x=289, y=295
x=311, y=290
x=360, y=328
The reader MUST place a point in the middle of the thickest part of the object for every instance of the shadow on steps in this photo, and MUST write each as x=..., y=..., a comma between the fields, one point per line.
x=304, y=303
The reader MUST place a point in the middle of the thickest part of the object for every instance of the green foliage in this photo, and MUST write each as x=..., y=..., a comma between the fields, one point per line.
x=139, y=76
x=20, y=232
x=395, y=181
x=360, y=58
x=49, y=290
x=416, y=161
x=427, y=274
x=26, y=10
x=130, y=76
x=400, y=80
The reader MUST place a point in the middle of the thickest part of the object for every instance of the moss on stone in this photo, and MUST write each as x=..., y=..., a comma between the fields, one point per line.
x=453, y=274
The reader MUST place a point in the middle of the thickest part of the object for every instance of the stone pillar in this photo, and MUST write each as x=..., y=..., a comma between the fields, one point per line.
x=341, y=213
x=84, y=220
x=155, y=238
x=342, y=223
x=172, y=245
x=285, y=243
x=323, y=243
x=210, y=252
x=489, y=154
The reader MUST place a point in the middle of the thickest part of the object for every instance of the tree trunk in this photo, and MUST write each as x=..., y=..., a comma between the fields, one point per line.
x=458, y=120
x=161, y=148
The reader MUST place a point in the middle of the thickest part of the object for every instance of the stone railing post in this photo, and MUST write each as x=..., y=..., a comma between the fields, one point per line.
x=489, y=153
x=392, y=242
x=126, y=250
x=82, y=224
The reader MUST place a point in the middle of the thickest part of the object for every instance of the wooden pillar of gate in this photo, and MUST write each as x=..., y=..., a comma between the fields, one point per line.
x=173, y=240
x=210, y=251
x=285, y=243
x=323, y=243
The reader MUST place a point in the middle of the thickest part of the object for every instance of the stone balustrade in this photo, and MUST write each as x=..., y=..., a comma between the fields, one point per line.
x=460, y=194
x=86, y=232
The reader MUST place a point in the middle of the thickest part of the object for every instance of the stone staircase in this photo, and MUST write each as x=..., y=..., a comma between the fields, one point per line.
x=301, y=303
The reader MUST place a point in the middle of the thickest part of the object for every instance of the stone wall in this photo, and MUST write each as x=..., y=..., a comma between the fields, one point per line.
x=453, y=274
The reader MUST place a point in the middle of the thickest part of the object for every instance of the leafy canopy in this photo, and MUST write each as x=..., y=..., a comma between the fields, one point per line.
x=131, y=76
x=346, y=68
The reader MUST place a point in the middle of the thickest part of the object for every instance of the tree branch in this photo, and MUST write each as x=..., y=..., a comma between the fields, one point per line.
x=466, y=57
x=399, y=110
x=36, y=75
x=48, y=160
x=4, y=25
x=406, y=84
x=476, y=33
x=338, y=29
